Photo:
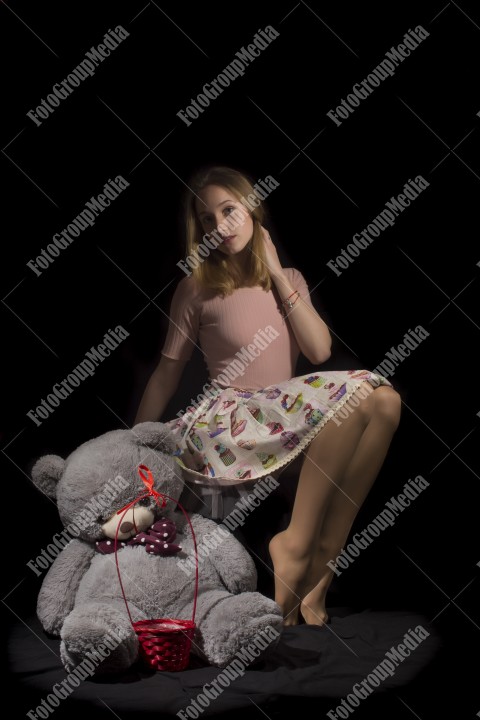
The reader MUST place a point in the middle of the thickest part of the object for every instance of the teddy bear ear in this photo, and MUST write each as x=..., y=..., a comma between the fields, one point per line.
x=47, y=472
x=155, y=435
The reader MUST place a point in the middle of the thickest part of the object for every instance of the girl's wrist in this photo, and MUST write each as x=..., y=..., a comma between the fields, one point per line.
x=281, y=281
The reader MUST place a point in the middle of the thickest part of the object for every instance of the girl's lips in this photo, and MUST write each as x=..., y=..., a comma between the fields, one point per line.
x=229, y=238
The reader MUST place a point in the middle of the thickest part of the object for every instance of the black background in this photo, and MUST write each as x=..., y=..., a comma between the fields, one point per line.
x=333, y=182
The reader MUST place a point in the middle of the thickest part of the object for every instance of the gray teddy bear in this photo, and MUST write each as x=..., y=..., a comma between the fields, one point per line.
x=81, y=600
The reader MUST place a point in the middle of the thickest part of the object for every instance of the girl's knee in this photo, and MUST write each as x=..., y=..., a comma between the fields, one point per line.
x=388, y=405
x=362, y=402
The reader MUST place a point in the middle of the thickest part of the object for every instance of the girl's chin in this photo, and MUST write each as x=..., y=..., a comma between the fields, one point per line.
x=234, y=249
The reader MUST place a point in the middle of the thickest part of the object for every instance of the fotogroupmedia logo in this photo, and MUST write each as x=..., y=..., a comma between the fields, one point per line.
x=381, y=222
x=61, y=390
x=231, y=72
x=381, y=72
x=84, y=220
x=80, y=73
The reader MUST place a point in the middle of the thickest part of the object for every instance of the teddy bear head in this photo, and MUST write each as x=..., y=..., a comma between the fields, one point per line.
x=101, y=477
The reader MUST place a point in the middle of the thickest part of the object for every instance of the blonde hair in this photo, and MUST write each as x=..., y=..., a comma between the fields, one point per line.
x=216, y=272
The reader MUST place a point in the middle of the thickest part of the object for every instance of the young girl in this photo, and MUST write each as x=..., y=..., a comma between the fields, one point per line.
x=252, y=318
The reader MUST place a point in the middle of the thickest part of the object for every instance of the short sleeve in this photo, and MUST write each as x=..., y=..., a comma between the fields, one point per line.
x=184, y=322
x=299, y=283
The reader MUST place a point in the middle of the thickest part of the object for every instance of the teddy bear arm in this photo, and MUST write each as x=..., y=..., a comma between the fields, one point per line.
x=59, y=588
x=235, y=566
x=231, y=560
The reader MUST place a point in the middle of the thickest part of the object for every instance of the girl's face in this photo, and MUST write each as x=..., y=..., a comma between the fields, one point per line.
x=218, y=203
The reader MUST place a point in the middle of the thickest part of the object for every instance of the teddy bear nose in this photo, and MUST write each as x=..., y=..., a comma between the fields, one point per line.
x=126, y=527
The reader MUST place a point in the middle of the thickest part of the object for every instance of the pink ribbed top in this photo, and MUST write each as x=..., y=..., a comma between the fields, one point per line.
x=229, y=332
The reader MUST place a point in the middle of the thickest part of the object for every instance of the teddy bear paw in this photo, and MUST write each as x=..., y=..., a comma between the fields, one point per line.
x=98, y=639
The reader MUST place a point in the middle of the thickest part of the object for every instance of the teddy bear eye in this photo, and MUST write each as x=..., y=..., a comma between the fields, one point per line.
x=144, y=501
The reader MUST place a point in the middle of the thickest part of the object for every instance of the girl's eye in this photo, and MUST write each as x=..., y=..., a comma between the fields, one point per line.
x=209, y=219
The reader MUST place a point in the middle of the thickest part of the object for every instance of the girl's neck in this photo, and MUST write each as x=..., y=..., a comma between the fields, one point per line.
x=241, y=262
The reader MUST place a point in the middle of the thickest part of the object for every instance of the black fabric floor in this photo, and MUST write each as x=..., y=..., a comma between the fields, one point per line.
x=310, y=665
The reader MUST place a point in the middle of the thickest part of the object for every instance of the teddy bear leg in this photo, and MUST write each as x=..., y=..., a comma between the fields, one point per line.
x=234, y=622
x=101, y=635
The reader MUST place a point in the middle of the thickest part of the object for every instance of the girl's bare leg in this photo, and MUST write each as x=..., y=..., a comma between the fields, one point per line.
x=294, y=550
x=359, y=477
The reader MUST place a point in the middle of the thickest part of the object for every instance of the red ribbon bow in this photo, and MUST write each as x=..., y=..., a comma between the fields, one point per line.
x=148, y=481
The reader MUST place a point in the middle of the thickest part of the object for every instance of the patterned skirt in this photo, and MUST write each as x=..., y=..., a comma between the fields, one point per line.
x=240, y=435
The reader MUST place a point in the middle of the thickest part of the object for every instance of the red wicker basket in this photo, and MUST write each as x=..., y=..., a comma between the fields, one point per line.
x=165, y=643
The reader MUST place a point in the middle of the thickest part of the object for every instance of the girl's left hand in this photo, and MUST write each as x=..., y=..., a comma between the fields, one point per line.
x=271, y=257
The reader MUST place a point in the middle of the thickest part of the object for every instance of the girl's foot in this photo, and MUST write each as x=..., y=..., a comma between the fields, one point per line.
x=312, y=606
x=290, y=570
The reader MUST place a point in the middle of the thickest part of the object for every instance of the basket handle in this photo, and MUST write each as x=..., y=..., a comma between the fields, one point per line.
x=150, y=491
